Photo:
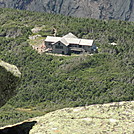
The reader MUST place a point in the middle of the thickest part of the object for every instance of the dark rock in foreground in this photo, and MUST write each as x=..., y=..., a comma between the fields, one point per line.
x=19, y=128
x=9, y=79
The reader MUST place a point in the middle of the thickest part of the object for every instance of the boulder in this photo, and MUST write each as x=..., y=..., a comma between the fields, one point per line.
x=111, y=118
x=9, y=79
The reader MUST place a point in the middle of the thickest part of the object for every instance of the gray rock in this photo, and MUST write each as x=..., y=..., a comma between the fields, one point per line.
x=9, y=79
x=100, y=9
x=111, y=118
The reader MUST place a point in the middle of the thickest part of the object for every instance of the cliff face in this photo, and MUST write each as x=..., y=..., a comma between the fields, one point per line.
x=9, y=79
x=100, y=9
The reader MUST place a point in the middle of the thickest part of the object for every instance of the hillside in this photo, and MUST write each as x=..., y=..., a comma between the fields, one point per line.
x=53, y=82
x=115, y=118
x=99, y=9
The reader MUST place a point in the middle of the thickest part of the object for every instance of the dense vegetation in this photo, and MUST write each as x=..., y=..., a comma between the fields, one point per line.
x=51, y=82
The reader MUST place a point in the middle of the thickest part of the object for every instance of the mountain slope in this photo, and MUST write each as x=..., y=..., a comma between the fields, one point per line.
x=52, y=82
x=100, y=9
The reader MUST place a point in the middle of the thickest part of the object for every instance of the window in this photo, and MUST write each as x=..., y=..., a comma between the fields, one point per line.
x=48, y=43
x=58, y=46
x=73, y=45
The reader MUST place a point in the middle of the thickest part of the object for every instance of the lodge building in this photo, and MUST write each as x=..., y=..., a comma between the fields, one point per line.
x=69, y=44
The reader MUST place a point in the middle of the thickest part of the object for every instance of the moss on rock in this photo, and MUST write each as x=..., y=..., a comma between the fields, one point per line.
x=112, y=118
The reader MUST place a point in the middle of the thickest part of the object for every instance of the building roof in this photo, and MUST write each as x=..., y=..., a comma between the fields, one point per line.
x=86, y=42
x=70, y=39
x=69, y=35
x=52, y=39
x=63, y=40
x=73, y=40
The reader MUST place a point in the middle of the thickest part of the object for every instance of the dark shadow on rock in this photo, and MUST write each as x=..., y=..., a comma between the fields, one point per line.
x=10, y=78
x=23, y=128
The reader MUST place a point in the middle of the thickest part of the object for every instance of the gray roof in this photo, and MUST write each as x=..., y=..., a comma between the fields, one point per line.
x=69, y=35
x=70, y=39
x=52, y=39
x=63, y=40
x=86, y=42
x=73, y=40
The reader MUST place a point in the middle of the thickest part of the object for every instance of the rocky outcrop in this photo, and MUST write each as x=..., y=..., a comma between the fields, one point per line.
x=109, y=118
x=100, y=9
x=112, y=118
x=9, y=79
